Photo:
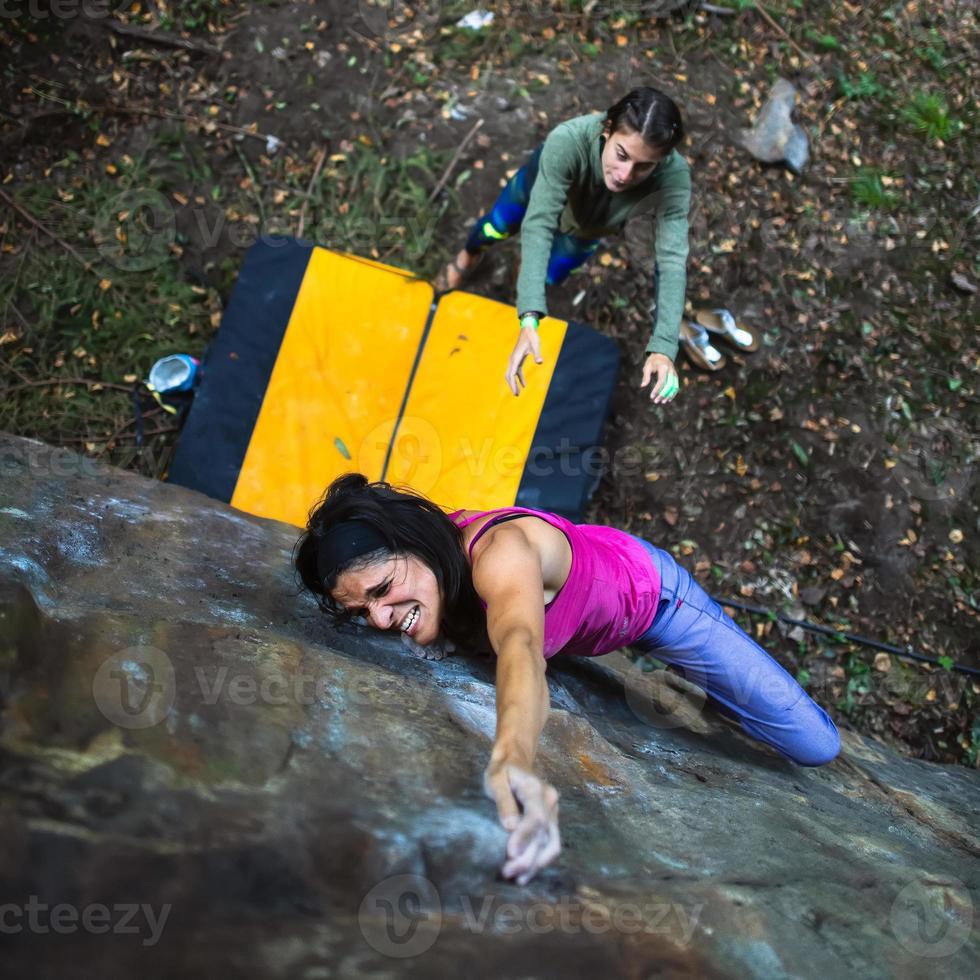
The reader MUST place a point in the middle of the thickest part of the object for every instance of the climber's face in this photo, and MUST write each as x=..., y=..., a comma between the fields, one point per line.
x=398, y=593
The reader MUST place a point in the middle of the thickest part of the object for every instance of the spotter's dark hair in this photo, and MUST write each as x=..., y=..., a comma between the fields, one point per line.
x=650, y=113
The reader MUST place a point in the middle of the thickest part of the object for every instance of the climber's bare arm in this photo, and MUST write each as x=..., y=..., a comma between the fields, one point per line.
x=507, y=573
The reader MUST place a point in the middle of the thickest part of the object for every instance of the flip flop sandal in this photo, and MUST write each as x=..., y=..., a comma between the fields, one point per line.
x=697, y=345
x=735, y=332
x=464, y=274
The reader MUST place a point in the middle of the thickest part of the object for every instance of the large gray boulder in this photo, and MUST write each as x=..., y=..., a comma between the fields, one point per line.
x=199, y=778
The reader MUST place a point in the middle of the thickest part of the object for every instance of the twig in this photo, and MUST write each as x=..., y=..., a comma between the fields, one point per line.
x=721, y=11
x=167, y=114
x=722, y=64
x=10, y=365
x=768, y=17
x=126, y=435
x=830, y=115
x=371, y=43
x=66, y=381
x=125, y=425
x=309, y=191
x=47, y=231
x=138, y=54
x=79, y=108
x=452, y=163
x=254, y=182
x=31, y=237
x=961, y=226
x=20, y=316
x=159, y=37
x=392, y=83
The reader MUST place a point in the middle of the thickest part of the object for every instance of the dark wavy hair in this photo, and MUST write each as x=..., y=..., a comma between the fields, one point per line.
x=410, y=525
x=650, y=113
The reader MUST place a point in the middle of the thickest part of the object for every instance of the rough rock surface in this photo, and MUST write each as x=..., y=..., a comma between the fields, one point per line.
x=181, y=734
x=775, y=137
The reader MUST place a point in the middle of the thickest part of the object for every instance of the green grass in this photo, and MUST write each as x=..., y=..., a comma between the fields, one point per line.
x=190, y=15
x=972, y=754
x=860, y=682
x=865, y=86
x=103, y=314
x=932, y=50
x=868, y=190
x=374, y=204
x=825, y=42
x=928, y=114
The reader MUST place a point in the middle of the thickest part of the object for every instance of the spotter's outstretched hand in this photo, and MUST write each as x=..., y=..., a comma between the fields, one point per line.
x=527, y=343
x=667, y=384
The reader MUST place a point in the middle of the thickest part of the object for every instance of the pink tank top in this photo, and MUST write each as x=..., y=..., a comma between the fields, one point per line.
x=610, y=596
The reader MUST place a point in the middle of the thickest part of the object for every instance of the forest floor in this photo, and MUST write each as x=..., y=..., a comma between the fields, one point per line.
x=831, y=476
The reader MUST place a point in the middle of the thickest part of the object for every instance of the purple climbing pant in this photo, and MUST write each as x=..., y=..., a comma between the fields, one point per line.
x=691, y=632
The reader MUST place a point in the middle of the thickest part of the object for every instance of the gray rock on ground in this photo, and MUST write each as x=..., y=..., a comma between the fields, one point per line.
x=775, y=137
x=198, y=778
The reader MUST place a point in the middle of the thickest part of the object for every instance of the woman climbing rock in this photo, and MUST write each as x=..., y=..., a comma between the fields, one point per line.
x=538, y=586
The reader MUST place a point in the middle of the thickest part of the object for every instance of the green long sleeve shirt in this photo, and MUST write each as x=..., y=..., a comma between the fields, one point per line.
x=570, y=195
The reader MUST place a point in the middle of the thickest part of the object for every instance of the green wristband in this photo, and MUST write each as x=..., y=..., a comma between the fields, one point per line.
x=529, y=320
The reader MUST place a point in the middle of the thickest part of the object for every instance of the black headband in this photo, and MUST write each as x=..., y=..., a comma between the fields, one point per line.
x=343, y=543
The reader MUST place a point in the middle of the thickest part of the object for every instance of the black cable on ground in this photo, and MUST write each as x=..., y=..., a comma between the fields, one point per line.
x=850, y=637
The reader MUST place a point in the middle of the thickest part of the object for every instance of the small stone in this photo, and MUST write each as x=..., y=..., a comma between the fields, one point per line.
x=775, y=137
x=956, y=536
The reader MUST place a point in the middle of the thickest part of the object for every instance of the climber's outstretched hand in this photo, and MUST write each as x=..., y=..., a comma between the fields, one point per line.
x=528, y=810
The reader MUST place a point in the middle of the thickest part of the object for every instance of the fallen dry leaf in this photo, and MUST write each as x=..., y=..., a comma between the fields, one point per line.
x=962, y=283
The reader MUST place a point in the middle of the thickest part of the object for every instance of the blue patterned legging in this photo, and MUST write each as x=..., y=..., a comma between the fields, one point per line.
x=504, y=219
x=692, y=632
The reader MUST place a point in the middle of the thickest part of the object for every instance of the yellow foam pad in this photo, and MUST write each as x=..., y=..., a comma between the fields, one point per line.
x=464, y=438
x=337, y=385
x=343, y=397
